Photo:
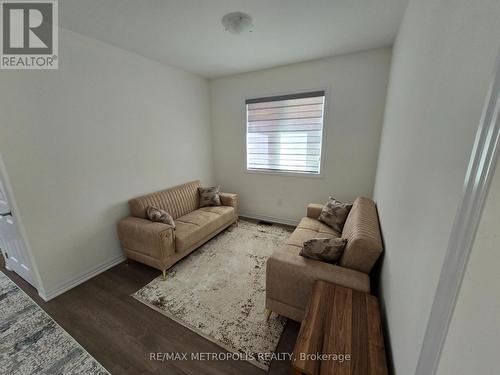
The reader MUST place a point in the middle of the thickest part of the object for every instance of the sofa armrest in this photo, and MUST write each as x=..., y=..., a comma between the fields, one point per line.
x=290, y=277
x=313, y=210
x=230, y=199
x=154, y=239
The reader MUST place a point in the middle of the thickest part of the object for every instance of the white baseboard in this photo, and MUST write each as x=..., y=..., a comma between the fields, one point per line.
x=71, y=283
x=270, y=219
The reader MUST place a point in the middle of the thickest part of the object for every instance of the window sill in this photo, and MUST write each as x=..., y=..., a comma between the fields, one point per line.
x=284, y=174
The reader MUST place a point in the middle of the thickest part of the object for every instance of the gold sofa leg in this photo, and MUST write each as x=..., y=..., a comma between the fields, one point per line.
x=164, y=275
x=268, y=314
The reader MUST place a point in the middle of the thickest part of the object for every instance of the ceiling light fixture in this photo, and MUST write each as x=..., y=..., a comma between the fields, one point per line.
x=237, y=23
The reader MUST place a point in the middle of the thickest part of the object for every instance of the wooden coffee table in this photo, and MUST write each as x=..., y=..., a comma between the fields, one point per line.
x=340, y=334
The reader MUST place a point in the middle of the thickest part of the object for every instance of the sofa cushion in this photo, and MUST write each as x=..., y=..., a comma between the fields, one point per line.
x=199, y=224
x=160, y=216
x=318, y=226
x=227, y=214
x=209, y=196
x=299, y=236
x=334, y=213
x=310, y=228
x=220, y=210
x=323, y=249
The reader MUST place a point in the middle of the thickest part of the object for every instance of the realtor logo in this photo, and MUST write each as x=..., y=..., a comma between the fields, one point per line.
x=29, y=37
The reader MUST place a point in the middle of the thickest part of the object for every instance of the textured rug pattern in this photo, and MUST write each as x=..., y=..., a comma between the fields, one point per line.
x=32, y=343
x=219, y=291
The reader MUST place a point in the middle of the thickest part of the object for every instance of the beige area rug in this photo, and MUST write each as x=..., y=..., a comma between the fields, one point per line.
x=219, y=291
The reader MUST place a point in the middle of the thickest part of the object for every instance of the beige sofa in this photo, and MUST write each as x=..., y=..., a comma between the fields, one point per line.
x=290, y=277
x=157, y=244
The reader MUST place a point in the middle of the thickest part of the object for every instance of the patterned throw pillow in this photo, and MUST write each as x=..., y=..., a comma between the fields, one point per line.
x=334, y=214
x=209, y=196
x=324, y=249
x=160, y=216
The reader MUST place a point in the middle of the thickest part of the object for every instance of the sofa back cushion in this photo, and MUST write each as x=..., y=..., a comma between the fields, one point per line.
x=362, y=231
x=177, y=201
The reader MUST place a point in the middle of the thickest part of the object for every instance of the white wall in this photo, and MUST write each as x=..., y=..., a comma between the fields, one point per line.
x=357, y=84
x=442, y=64
x=473, y=339
x=80, y=141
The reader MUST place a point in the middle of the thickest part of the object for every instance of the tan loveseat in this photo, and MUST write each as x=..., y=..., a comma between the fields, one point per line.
x=157, y=244
x=290, y=277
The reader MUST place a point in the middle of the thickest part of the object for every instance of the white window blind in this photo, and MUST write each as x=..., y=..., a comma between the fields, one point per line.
x=284, y=133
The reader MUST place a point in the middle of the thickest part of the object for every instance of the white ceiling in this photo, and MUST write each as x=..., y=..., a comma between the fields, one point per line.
x=188, y=33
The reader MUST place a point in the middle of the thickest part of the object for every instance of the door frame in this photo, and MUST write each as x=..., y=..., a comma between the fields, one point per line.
x=35, y=275
x=477, y=182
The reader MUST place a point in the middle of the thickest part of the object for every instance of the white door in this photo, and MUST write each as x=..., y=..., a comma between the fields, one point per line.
x=11, y=241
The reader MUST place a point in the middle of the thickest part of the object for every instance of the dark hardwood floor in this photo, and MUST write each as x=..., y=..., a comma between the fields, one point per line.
x=120, y=332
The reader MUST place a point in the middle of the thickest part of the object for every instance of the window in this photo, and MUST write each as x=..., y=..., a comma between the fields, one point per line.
x=284, y=133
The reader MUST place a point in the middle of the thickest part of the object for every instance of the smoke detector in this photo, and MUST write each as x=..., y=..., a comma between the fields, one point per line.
x=237, y=23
